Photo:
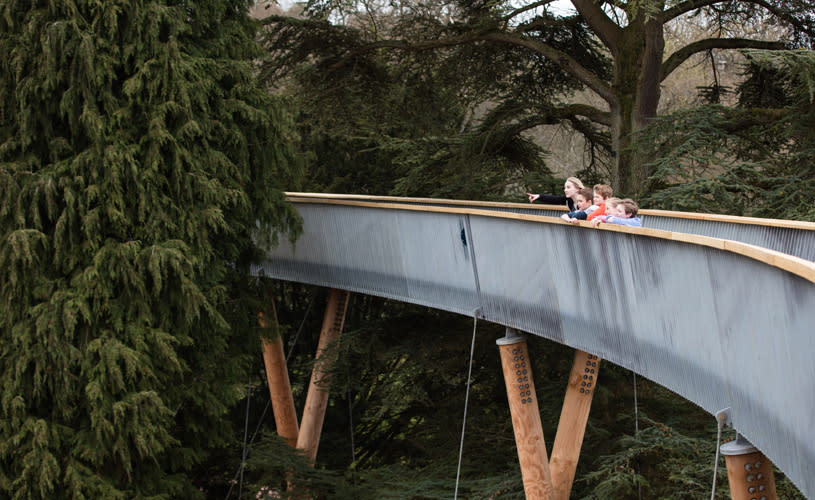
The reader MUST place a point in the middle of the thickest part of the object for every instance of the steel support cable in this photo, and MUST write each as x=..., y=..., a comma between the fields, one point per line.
x=467, y=235
x=300, y=329
x=466, y=402
x=246, y=446
x=637, y=434
x=721, y=418
x=245, y=433
x=351, y=426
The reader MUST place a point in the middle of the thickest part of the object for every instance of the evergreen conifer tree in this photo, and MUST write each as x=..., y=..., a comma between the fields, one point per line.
x=137, y=155
x=752, y=159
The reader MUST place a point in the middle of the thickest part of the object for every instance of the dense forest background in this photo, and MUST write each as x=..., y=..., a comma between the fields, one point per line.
x=141, y=144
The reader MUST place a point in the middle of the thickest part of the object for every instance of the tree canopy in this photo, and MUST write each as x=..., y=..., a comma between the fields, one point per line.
x=752, y=159
x=526, y=63
x=139, y=158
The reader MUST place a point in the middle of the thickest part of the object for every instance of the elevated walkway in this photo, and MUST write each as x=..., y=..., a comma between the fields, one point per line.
x=725, y=324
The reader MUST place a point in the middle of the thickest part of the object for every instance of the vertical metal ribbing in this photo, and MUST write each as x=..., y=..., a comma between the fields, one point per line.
x=797, y=242
x=471, y=245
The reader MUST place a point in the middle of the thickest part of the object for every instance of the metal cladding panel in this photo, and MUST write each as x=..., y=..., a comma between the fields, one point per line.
x=765, y=325
x=397, y=254
x=515, y=208
x=793, y=241
x=615, y=295
x=519, y=272
x=797, y=242
x=529, y=211
x=721, y=329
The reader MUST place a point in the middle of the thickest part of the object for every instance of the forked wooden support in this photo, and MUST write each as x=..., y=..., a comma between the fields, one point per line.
x=526, y=420
x=311, y=425
x=571, y=427
x=277, y=377
x=307, y=437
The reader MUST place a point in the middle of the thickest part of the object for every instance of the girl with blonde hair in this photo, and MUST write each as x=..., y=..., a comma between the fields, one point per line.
x=570, y=190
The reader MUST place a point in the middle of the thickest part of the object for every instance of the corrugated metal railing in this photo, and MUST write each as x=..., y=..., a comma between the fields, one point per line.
x=791, y=237
x=722, y=329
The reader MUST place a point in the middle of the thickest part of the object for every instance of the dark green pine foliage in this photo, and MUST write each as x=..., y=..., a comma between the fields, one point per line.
x=408, y=123
x=753, y=159
x=137, y=154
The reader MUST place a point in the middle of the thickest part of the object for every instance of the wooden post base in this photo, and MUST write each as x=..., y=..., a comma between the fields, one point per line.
x=526, y=421
x=749, y=472
x=277, y=378
x=572, y=424
x=317, y=398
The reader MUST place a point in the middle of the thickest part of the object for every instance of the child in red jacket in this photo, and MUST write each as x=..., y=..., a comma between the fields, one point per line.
x=600, y=194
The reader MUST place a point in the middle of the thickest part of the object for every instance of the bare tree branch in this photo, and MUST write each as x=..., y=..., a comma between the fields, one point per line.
x=585, y=128
x=606, y=29
x=565, y=61
x=541, y=22
x=681, y=55
x=784, y=15
x=689, y=5
x=526, y=8
x=409, y=46
x=568, y=112
x=523, y=119
x=685, y=7
x=572, y=111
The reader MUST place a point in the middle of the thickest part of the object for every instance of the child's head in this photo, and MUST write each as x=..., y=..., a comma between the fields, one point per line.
x=584, y=198
x=602, y=192
x=627, y=208
x=611, y=205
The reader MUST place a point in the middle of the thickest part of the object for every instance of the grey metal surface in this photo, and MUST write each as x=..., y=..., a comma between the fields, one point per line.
x=401, y=255
x=720, y=329
x=797, y=242
x=790, y=240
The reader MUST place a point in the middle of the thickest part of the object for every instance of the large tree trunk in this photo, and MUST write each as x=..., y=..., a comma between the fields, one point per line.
x=637, y=79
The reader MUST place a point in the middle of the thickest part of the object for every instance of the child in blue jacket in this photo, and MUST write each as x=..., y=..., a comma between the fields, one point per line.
x=623, y=213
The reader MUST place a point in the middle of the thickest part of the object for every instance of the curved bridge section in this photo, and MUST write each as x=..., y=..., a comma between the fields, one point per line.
x=795, y=238
x=722, y=323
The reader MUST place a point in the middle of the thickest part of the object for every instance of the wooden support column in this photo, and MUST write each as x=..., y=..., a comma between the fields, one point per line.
x=317, y=398
x=526, y=420
x=572, y=425
x=277, y=377
x=749, y=472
